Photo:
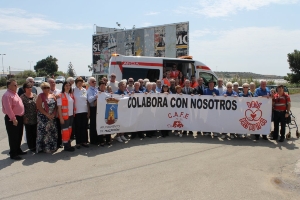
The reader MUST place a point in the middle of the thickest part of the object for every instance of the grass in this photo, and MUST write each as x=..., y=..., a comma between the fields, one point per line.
x=294, y=91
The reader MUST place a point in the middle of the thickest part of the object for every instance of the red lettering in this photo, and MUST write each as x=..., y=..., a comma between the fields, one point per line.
x=181, y=114
x=186, y=116
x=169, y=115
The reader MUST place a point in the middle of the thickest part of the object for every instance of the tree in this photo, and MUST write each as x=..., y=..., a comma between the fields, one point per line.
x=294, y=62
x=60, y=73
x=47, y=65
x=71, y=72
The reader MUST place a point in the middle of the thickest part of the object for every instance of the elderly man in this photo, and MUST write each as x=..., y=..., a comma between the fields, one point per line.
x=142, y=88
x=130, y=86
x=236, y=87
x=282, y=107
x=172, y=86
x=252, y=88
x=13, y=108
x=113, y=83
x=56, y=92
x=220, y=87
x=121, y=91
x=194, y=83
x=158, y=86
x=212, y=92
x=31, y=81
x=200, y=88
x=105, y=80
x=92, y=95
x=189, y=91
x=137, y=88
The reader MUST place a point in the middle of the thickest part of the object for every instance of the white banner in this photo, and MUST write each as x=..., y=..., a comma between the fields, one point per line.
x=141, y=112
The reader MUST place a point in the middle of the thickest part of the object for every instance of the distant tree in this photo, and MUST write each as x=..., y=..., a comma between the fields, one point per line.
x=47, y=65
x=71, y=72
x=60, y=73
x=41, y=72
x=294, y=62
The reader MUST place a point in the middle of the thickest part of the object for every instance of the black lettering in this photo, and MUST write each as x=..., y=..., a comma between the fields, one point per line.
x=159, y=102
x=199, y=103
x=222, y=104
x=217, y=103
x=143, y=103
x=138, y=103
x=184, y=103
x=178, y=102
x=234, y=106
x=228, y=105
x=172, y=102
x=129, y=101
x=148, y=101
x=165, y=102
x=211, y=104
x=193, y=103
x=154, y=102
x=133, y=103
x=204, y=103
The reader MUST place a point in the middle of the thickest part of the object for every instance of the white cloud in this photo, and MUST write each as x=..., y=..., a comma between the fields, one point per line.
x=220, y=8
x=145, y=24
x=253, y=49
x=20, y=21
x=152, y=13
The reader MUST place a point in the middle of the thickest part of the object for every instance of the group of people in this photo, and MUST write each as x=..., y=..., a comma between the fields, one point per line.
x=51, y=117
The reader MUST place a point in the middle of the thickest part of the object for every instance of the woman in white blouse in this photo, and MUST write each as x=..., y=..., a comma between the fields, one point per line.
x=81, y=114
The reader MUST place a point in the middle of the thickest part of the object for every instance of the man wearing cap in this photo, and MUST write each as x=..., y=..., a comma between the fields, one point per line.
x=281, y=105
x=31, y=81
x=212, y=92
x=113, y=83
x=13, y=108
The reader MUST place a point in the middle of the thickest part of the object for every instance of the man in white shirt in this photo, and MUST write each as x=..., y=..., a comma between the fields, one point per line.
x=130, y=86
x=220, y=87
x=113, y=83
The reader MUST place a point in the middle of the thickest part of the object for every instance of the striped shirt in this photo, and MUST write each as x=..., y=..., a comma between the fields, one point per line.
x=281, y=101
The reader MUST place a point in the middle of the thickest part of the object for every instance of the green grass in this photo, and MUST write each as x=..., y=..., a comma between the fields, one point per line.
x=294, y=91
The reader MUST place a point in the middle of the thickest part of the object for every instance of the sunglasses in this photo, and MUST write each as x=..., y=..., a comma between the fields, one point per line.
x=45, y=88
x=245, y=87
x=84, y=86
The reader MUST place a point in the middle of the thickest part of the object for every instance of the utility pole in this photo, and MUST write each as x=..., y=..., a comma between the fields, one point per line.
x=30, y=64
x=3, y=54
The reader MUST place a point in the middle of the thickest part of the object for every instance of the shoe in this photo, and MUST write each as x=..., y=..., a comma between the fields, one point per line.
x=191, y=133
x=184, y=133
x=123, y=138
x=215, y=134
x=132, y=136
x=85, y=145
x=22, y=153
x=71, y=149
x=60, y=146
x=274, y=138
x=281, y=140
x=257, y=137
x=198, y=132
x=180, y=135
x=119, y=139
x=78, y=146
x=102, y=144
x=232, y=136
x=265, y=137
x=108, y=143
x=223, y=136
x=16, y=158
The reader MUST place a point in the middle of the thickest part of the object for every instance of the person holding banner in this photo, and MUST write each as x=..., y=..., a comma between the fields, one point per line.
x=189, y=91
x=229, y=93
x=92, y=95
x=165, y=90
x=178, y=91
x=121, y=91
x=200, y=88
x=158, y=86
x=245, y=93
x=142, y=88
x=147, y=91
x=212, y=91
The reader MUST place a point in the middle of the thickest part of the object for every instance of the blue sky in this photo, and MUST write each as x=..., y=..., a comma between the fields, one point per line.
x=227, y=35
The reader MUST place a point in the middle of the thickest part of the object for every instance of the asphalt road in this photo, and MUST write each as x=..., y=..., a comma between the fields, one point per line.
x=198, y=167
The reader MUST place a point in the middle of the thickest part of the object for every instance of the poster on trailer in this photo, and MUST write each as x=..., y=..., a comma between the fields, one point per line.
x=101, y=53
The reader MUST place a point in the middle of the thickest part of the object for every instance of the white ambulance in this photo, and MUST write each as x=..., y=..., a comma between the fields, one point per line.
x=137, y=67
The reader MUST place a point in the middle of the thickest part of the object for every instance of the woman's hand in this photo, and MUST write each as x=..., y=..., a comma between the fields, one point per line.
x=62, y=121
x=225, y=95
x=50, y=117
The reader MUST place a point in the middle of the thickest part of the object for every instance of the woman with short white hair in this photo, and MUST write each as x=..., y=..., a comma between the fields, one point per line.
x=252, y=88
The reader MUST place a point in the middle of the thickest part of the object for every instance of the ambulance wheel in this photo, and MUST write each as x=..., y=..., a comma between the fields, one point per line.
x=297, y=134
x=288, y=136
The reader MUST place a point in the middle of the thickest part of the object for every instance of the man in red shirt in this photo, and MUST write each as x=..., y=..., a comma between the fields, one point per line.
x=194, y=83
x=13, y=108
x=281, y=106
x=174, y=73
x=167, y=79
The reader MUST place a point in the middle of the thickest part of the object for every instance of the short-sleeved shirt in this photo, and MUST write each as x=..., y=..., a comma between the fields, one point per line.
x=260, y=92
x=207, y=91
x=114, y=86
x=281, y=101
x=70, y=103
x=30, y=109
x=80, y=96
x=233, y=93
x=249, y=94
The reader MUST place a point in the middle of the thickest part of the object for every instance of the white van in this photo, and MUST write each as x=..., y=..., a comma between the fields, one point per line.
x=137, y=67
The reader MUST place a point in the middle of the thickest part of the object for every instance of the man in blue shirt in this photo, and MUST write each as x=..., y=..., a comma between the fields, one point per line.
x=212, y=92
x=158, y=86
x=262, y=91
x=142, y=88
x=122, y=89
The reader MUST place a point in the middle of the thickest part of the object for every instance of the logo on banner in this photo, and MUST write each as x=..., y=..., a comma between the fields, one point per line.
x=178, y=118
x=111, y=110
x=253, y=119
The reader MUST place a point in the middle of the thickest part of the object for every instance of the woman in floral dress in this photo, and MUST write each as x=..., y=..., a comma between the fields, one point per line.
x=46, y=140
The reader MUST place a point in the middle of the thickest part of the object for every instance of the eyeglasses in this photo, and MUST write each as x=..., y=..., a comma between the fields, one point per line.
x=245, y=87
x=44, y=88
x=84, y=86
x=93, y=81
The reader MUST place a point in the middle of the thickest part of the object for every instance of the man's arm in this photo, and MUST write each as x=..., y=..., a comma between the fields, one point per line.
x=91, y=97
x=6, y=104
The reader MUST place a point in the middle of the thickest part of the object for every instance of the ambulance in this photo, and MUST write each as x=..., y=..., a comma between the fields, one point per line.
x=137, y=67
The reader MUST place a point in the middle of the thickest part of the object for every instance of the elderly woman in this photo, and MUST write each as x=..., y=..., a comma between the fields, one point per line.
x=82, y=114
x=30, y=115
x=229, y=92
x=252, y=88
x=66, y=115
x=154, y=87
x=46, y=125
x=236, y=87
x=178, y=90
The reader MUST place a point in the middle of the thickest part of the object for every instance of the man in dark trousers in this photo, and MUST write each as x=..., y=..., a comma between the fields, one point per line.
x=13, y=108
x=281, y=106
